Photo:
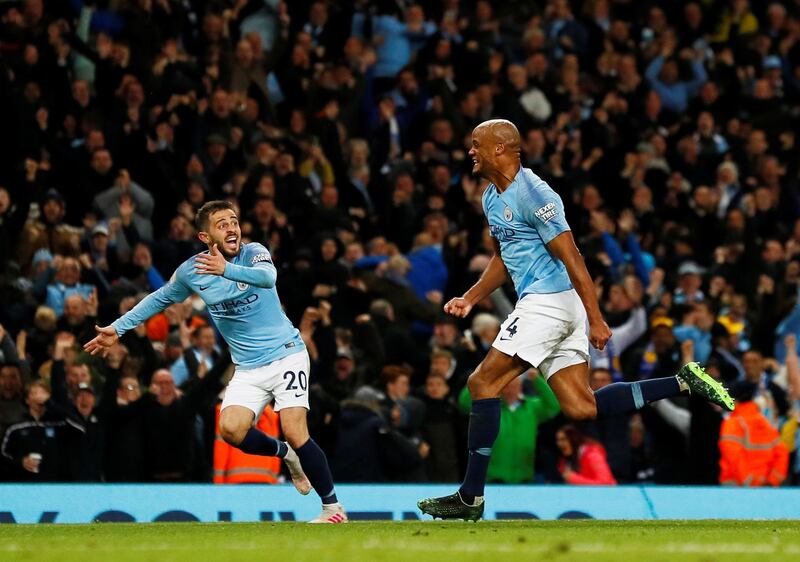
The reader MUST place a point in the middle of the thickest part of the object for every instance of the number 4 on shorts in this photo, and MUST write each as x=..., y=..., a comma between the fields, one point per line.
x=512, y=328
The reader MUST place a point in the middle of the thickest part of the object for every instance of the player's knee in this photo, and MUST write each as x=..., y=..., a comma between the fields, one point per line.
x=583, y=409
x=232, y=430
x=478, y=386
x=295, y=426
x=296, y=437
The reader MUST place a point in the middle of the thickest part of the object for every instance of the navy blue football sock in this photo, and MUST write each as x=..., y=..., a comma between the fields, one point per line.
x=484, y=424
x=623, y=397
x=315, y=465
x=257, y=442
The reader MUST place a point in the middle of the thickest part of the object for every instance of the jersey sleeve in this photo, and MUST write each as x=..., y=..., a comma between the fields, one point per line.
x=257, y=268
x=256, y=255
x=174, y=291
x=544, y=210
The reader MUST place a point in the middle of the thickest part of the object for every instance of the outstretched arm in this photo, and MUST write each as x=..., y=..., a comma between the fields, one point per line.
x=563, y=247
x=493, y=277
x=173, y=292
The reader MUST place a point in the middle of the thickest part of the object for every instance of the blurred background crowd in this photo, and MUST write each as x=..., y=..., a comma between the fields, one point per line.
x=340, y=130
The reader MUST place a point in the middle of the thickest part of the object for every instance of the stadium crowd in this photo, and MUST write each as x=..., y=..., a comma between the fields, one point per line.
x=340, y=130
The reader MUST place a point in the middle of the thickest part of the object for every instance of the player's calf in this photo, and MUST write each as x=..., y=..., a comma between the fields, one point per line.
x=583, y=408
x=571, y=386
x=295, y=431
x=311, y=457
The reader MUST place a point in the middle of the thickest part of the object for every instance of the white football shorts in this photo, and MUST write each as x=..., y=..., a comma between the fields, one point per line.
x=546, y=330
x=284, y=380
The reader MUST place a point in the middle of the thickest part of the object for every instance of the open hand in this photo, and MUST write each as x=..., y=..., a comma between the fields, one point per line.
x=212, y=263
x=106, y=338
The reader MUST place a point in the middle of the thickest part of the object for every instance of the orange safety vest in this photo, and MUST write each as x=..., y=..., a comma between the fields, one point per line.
x=232, y=466
x=751, y=450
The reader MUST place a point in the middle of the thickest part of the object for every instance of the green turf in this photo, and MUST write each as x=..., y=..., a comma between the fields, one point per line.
x=554, y=541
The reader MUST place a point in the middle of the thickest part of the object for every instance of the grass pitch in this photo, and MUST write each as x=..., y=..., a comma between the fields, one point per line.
x=554, y=541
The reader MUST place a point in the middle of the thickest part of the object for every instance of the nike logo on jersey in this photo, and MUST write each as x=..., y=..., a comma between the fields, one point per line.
x=298, y=395
x=204, y=288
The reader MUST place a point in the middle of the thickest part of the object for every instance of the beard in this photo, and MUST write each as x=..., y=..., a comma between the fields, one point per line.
x=225, y=251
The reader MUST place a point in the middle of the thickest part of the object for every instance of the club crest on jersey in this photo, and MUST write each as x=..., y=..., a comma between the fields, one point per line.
x=241, y=286
x=547, y=212
x=507, y=214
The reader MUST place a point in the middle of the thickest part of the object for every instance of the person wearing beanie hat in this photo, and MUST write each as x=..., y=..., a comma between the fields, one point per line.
x=42, y=256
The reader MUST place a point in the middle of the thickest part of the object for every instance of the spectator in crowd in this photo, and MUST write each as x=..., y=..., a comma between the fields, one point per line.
x=201, y=355
x=751, y=450
x=123, y=410
x=663, y=75
x=406, y=413
x=441, y=430
x=12, y=409
x=13, y=214
x=613, y=432
x=79, y=316
x=102, y=256
x=85, y=437
x=32, y=449
x=169, y=422
x=770, y=397
x=50, y=232
x=67, y=282
x=583, y=460
x=369, y=450
x=131, y=204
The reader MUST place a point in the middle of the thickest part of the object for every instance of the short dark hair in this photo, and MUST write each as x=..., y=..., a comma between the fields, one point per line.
x=208, y=209
x=391, y=373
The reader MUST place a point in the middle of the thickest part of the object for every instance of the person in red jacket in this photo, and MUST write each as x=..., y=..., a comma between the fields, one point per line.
x=751, y=450
x=583, y=460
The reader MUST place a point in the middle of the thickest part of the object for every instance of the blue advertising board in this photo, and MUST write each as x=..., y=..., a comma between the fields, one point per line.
x=84, y=503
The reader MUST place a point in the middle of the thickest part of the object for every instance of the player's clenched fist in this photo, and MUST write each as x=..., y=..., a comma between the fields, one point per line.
x=599, y=334
x=458, y=307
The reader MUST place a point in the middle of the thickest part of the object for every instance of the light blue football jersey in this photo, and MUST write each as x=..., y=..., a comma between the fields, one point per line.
x=250, y=318
x=524, y=219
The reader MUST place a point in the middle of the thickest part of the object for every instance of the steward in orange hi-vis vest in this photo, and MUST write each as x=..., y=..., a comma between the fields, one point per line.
x=232, y=466
x=751, y=450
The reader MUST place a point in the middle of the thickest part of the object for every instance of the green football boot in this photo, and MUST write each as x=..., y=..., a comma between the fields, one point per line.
x=451, y=507
x=702, y=384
